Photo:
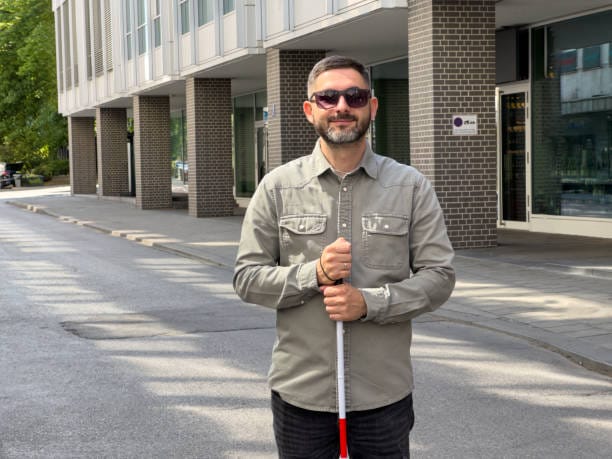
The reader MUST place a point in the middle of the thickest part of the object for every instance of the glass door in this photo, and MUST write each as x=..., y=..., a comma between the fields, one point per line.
x=513, y=157
x=261, y=142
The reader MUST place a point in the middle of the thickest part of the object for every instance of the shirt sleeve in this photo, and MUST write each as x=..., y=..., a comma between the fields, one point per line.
x=431, y=256
x=258, y=278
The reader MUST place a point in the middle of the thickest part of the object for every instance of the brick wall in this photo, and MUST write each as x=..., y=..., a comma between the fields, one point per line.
x=83, y=175
x=209, y=147
x=111, y=125
x=290, y=135
x=451, y=64
x=152, y=154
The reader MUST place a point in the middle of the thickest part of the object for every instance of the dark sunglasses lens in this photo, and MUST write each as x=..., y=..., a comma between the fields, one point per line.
x=327, y=99
x=356, y=98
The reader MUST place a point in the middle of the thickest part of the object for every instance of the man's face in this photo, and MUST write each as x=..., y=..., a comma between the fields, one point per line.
x=340, y=124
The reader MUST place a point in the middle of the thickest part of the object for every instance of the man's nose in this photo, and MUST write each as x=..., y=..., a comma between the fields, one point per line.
x=342, y=106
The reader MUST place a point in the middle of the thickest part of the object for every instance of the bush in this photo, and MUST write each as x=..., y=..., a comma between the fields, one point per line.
x=52, y=168
x=31, y=180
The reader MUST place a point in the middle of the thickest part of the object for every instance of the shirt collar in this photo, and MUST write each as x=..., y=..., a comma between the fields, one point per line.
x=368, y=163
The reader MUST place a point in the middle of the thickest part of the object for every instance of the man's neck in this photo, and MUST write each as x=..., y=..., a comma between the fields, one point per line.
x=346, y=157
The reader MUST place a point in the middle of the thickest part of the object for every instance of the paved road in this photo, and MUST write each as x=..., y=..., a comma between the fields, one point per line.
x=113, y=349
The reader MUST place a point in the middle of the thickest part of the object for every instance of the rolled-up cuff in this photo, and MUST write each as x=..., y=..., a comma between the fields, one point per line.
x=376, y=302
x=307, y=276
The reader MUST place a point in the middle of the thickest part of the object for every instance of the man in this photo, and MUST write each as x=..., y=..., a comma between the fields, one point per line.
x=343, y=214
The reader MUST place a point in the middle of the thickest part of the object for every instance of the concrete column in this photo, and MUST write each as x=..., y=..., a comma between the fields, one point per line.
x=152, y=155
x=111, y=124
x=451, y=60
x=290, y=135
x=209, y=147
x=82, y=139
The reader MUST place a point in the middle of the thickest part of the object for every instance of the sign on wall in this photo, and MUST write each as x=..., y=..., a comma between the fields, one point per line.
x=465, y=124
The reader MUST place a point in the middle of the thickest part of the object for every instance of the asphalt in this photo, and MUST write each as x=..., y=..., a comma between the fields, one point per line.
x=553, y=291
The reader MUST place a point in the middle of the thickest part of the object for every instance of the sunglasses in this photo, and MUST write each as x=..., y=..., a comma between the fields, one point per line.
x=354, y=97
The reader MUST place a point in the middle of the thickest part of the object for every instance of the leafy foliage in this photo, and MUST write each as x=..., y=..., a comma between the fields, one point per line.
x=31, y=130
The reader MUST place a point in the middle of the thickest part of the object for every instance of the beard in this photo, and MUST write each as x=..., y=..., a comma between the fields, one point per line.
x=338, y=136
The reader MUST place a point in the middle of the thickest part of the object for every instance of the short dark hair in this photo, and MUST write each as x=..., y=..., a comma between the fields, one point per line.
x=336, y=62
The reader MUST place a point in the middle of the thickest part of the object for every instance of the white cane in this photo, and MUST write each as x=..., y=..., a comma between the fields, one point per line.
x=340, y=388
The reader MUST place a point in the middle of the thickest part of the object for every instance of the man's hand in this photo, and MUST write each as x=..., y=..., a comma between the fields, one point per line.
x=343, y=302
x=335, y=262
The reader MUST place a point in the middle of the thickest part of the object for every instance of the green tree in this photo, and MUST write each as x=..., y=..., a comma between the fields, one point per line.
x=31, y=130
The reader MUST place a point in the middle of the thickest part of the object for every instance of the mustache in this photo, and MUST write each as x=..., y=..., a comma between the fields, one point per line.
x=342, y=117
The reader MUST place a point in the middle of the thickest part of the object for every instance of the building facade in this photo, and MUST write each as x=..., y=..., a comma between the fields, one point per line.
x=505, y=105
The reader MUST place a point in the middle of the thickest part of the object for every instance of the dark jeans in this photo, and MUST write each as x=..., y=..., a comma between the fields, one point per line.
x=378, y=433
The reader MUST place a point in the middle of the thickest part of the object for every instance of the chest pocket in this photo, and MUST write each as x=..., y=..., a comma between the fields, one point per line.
x=302, y=237
x=385, y=240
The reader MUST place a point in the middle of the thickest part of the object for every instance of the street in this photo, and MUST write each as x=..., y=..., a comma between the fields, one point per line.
x=113, y=349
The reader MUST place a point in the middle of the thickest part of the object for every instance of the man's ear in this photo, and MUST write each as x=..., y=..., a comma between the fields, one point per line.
x=307, y=107
x=373, y=108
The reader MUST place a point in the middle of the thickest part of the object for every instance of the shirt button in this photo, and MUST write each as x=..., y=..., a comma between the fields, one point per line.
x=344, y=225
x=301, y=227
x=386, y=226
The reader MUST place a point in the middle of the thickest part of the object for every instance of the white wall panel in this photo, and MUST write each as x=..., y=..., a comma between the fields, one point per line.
x=275, y=16
x=186, y=56
x=306, y=12
x=158, y=63
x=342, y=4
x=230, y=32
x=206, y=42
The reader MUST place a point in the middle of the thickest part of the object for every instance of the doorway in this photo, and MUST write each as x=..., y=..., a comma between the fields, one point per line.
x=261, y=154
x=513, y=156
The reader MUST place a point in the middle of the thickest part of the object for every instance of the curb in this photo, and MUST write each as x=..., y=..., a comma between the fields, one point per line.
x=523, y=332
x=148, y=242
x=549, y=267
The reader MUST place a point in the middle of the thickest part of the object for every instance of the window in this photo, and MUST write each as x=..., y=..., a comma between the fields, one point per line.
x=141, y=15
x=75, y=51
x=591, y=57
x=67, y=61
x=228, y=6
x=184, y=6
x=571, y=118
x=205, y=11
x=568, y=61
x=128, y=29
x=98, y=57
x=60, y=55
x=157, y=25
x=108, y=35
x=88, y=41
x=390, y=136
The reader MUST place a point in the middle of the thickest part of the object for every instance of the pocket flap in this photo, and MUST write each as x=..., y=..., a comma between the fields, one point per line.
x=304, y=224
x=393, y=225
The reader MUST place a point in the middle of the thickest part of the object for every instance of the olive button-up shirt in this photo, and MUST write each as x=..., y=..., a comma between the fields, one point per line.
x=401, y=262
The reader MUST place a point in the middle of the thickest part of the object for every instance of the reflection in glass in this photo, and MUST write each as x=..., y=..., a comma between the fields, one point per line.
x=572, y=117
x=248, y=142
x=391, y=128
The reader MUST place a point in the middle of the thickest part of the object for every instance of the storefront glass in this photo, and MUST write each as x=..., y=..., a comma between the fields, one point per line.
x=178, y=146
x=249, y=138
x=391, y=129
x=572, y=117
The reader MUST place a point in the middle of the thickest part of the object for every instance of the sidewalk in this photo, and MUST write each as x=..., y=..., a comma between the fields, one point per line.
x=555, y=291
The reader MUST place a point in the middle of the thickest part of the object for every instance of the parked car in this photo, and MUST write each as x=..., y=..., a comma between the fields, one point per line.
x=7, y=173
